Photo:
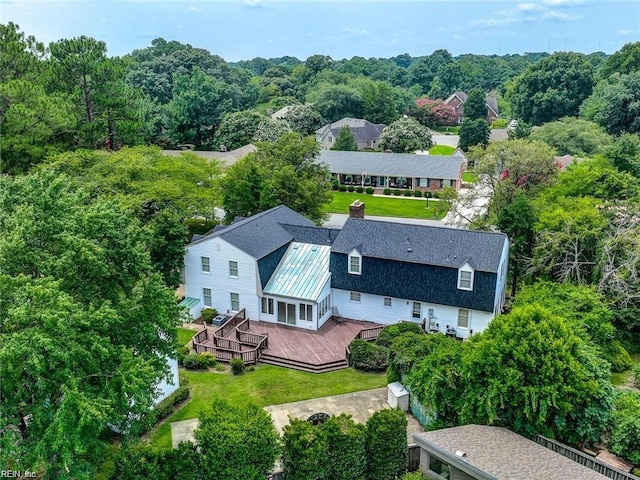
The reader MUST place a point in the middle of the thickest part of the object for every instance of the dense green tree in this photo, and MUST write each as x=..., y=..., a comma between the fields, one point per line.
x=625, y=426
x=199, y=102
x=346, y=140
x=336, y=101
x=618, y=104
x=624, y=61
x=625, y=153
x=33, y=124
x=304, y=119
x=405, y=136
x=386, y=444
x=570, y=135
x=475, y=108
x=305, y=451
x=474, y=133
x=521, y=130
x=237, y=129
x=282, y=172
x=552, y=88
x=530, y=371
x=347, y=455
x=237, y=442
x=378, y=100
x=423, y=70
x=21, y=56
x=87, y=323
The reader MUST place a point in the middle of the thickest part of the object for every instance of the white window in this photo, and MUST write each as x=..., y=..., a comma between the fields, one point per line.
x=465, y=278
x=446, y=183
x=267, y=305
x=355, y=266
x=355, y=297
x=233, y=269
x=206, y=265
x=235, y=302
x=306, y=312
x=206, y=297
x=463, y=318
x=324, y=306
x=387, y=302
x=416, y=310
x=423, y=182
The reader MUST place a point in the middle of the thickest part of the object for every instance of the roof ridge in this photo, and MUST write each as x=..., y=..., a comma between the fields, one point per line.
x=466, y=231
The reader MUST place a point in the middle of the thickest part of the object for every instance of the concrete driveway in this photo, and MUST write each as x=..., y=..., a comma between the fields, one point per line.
x=361, y=405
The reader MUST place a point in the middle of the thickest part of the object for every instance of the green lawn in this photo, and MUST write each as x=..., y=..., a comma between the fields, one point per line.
x=469, y=177
x=454, y=130
x=184, y=335
x=626, y=377
x=442, y=150
x=388, y=206
x=267, y=385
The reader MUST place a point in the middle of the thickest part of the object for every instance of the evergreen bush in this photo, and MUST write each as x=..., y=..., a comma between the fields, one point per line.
x=368, y=356
x=386, y=444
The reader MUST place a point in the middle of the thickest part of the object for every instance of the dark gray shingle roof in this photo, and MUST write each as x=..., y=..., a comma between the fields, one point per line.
x=262, y=233
x=504, y=455
x=363, y=130
x=439, y=246
x=314, y=235
x=392, y=164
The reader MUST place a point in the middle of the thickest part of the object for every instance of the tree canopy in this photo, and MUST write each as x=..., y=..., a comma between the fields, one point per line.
x=405, y=136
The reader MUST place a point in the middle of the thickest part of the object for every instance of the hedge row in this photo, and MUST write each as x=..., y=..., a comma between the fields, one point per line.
x=368, y=356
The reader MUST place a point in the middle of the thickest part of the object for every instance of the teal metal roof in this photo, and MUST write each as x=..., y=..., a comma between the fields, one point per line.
x=302, y=272
x=189, y=302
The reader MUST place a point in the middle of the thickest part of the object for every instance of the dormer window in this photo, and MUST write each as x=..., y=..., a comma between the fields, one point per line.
x=465, y=277
x=355, y=263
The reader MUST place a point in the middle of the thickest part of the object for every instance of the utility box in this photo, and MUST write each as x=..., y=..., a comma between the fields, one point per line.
x=398, y=396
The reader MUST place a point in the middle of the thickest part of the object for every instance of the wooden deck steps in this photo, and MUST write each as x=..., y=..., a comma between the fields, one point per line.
x=304, y=366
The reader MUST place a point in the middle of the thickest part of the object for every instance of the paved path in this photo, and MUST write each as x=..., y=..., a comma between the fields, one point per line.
x=361, y=405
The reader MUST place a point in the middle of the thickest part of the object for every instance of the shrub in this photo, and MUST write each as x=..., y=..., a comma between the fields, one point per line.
x=305, y=451
x=359, y=189
x=182, y=351
x=166, y=407
x=414, y=476
x=427, y=194
x=184, y=381
x=335, y=185
x=386, y=444
x=396, y=192
x=387, y=191
x=342, y=188
x=391, y=332
x=351, y=188
x=210, y=358
x=499, y=123
x=368, y=356
x=208, y=314
x=618, y=357
x=636, y=373
x=417, y=193
x=436, y=194
x=237, y=442
x=369, y=191
x=195, y=361
x=625, y=426
x=237, y=366
x=407, y=193
x=347, y=453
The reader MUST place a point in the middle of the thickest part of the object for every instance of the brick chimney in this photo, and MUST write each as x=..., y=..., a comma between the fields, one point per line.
x=356, y=209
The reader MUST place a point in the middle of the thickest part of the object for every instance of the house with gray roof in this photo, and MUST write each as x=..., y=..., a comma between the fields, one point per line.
x=479, y=452
x=381, y=170
x=281, y=268
x=367, y=134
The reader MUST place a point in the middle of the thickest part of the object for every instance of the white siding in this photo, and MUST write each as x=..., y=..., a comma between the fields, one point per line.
x=501, y=279
x=371, y=308
x=219, y=280
x=165, y=388
x=325, y=291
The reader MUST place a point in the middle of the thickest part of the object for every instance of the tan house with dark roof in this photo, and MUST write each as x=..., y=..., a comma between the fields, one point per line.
x=457, y=100
x=367, y=134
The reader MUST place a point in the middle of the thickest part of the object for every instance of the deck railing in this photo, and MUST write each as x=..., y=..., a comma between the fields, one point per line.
x=226, y=349
x=369, y=333
x=584, y=459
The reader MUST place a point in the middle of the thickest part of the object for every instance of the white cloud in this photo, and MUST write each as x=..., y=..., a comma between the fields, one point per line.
x=253, y=3
x=558, y=3
x=561, y=17
x=359, y=33
x=625, y=32
x=529, y=7
x=195, y=9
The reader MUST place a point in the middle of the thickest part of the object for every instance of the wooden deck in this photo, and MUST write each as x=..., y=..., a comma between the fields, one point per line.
x=320, y=351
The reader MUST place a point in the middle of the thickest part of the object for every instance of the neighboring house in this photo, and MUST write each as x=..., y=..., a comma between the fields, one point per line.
x=494, y=453
x=282, y=112
x=457, y=99
x=563, y=162
x=281, y=268
x=395, y=170
x=367, y=134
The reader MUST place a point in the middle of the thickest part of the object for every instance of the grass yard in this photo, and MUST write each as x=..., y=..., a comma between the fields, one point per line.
x=469, y=177
x=184, y=335
x=626, y=378
x=442, y=150
x=267, y=385
x=388, y=206
x=453, y=130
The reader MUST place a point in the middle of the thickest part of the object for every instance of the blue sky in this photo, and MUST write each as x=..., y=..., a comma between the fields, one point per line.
x=243, y=29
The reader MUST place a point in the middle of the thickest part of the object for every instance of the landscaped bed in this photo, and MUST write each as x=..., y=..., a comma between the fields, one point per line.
x=388, y=206
x=266, y=385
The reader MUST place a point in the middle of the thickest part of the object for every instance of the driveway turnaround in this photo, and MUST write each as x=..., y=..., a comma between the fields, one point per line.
x=361, y=405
